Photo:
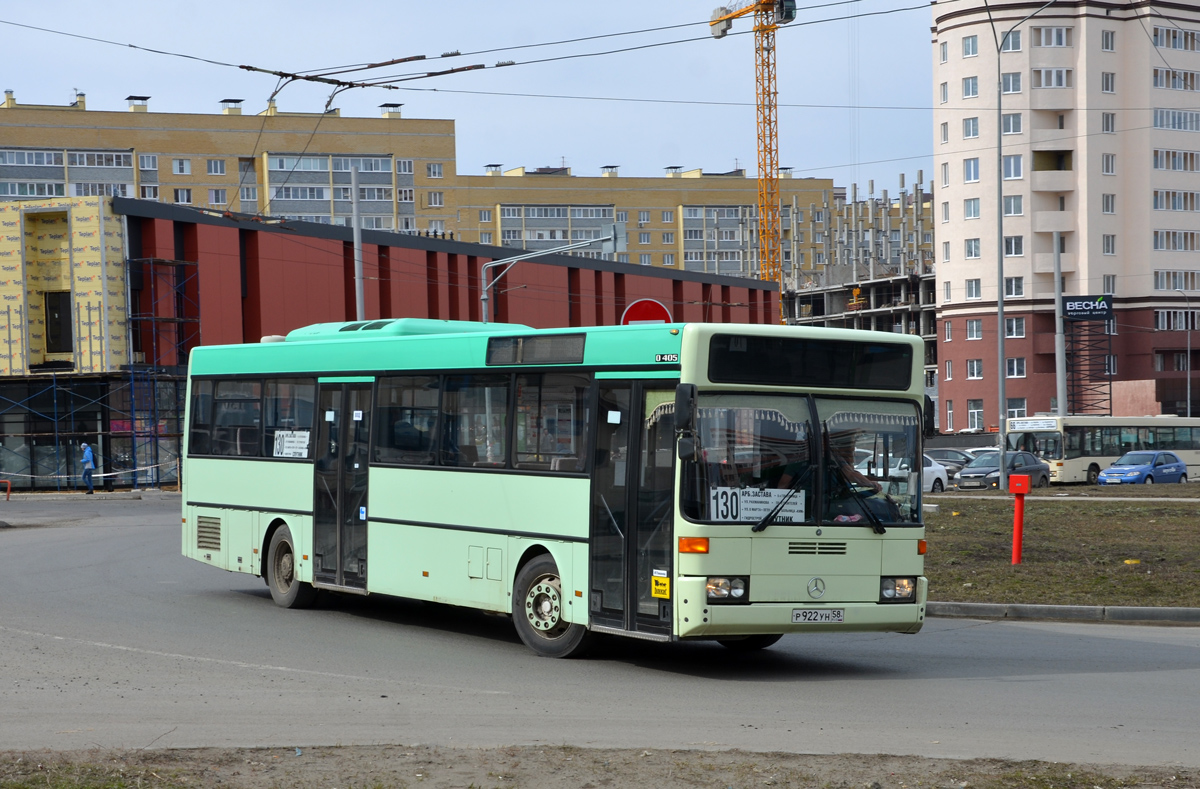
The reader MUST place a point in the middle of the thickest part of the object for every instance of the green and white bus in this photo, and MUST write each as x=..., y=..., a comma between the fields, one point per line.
x=1078, y=448
x=663, y=482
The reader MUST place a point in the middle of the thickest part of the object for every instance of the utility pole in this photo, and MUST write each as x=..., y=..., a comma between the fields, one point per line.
x=360, y=305
x=1002, y=365
x=1187, y=324
x=1060, y=341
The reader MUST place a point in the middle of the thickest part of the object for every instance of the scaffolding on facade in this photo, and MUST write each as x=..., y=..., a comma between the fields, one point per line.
x=164, y=326
x=1089, y=376
x=132, y=416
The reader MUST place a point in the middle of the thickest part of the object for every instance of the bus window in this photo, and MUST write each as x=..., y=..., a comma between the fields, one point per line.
x=1045, y=444
x=237, y=418
x=288, y=418
x=406, y=411
x=752, y=449
x=475, y=420
x=200, y=439
x=1072, y=443
x=883, y=485
x=551, y=422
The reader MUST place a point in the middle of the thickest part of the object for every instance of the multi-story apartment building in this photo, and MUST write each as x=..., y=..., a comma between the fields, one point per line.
x=1078, y=128
x=298, y=166
x=281, y=164
x=689, y=220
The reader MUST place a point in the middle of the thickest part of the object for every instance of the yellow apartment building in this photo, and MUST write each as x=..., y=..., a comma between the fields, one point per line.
x=298, y=165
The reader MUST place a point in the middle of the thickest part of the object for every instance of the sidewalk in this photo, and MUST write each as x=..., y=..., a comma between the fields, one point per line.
x=100, y=495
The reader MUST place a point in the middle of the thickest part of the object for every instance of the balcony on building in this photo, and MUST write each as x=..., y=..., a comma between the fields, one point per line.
x=1053, y=171
x=1043, y=263
x=1052, y=99
x=1054, y=221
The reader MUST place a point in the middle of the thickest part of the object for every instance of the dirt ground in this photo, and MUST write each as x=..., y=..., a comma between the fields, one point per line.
x=428, y=766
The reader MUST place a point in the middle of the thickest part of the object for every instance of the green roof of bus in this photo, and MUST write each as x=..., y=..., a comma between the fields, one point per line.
x=419, y=344
x=349, y=348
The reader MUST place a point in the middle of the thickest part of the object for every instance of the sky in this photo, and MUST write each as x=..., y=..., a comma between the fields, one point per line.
x=868, y=62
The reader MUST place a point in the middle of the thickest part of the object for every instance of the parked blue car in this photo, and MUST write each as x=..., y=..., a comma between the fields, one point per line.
x=1146, y=468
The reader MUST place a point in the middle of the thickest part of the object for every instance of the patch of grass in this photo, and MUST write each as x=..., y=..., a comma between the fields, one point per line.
x=54, y=773
x=1075, y=553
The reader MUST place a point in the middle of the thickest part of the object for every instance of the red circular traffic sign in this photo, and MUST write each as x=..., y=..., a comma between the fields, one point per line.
x=645, y=311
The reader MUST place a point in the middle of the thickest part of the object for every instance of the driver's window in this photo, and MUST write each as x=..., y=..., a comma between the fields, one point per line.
x=870, y=465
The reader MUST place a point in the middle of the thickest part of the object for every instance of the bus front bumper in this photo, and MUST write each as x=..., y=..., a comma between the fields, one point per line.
x=714, y=621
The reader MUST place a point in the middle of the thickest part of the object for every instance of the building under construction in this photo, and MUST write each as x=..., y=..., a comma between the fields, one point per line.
x=878, y=268
x=105, y=297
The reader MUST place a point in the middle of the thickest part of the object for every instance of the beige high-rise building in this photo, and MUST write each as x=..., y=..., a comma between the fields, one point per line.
x=1089, y=102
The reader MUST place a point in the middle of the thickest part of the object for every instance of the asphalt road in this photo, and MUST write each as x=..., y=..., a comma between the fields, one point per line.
x=108, y=637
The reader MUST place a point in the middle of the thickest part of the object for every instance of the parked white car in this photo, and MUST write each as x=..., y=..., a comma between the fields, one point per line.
x=934, y=478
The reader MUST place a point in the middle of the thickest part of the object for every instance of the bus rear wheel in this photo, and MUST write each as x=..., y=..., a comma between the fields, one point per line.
x=750, y=643
x=1093, y=474
x=538, y=615
x=287, y=590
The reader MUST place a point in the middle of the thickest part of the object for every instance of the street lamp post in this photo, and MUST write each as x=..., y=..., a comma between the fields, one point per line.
x=1187, y=324
x=1002, y=366
x=486, y=285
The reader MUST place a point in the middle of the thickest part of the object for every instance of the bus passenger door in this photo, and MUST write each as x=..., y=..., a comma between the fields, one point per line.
x=633, y=509
x=340, y=486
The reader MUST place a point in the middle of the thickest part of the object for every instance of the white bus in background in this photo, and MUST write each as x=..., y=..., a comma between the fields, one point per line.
x=1078, y=448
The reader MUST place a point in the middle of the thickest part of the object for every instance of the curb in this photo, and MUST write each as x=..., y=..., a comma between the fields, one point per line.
x=1069, y=613
x=125, y=495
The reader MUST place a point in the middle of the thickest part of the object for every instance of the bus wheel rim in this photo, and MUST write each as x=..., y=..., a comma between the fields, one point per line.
x=284, y=569
x=543, y=607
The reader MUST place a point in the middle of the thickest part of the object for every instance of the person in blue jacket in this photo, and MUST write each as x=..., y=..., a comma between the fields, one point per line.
x=89, y=465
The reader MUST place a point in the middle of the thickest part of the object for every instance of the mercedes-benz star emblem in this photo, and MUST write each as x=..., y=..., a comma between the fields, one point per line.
x=816, y=588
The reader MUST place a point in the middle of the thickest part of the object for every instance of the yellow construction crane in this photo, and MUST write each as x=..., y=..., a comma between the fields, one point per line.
x=768, y=15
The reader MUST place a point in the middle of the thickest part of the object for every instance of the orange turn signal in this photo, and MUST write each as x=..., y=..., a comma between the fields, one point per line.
x=693, y=545
x=922, y=547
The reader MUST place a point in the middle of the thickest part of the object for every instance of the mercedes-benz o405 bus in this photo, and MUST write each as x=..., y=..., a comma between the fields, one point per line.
x=663, y=482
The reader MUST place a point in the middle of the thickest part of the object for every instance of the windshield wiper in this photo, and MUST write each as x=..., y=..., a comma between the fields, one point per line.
x=770, y=517
x=876, y=524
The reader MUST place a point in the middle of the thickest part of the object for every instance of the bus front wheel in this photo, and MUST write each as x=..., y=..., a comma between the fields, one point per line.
x=287, y=590
x=1093, y=475
x=538, y=612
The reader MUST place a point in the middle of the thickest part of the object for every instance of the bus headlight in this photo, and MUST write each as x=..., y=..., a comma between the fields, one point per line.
x=728, y=589
x=894, y=590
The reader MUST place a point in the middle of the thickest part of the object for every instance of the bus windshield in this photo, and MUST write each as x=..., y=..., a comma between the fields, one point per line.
x=1045, y=444
x=753, y=451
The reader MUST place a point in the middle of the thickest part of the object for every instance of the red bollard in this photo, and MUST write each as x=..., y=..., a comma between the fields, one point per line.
x=1018, y=484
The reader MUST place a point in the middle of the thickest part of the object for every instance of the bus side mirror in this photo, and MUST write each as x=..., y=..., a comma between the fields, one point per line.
x=685, y=406
x=686, y=448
